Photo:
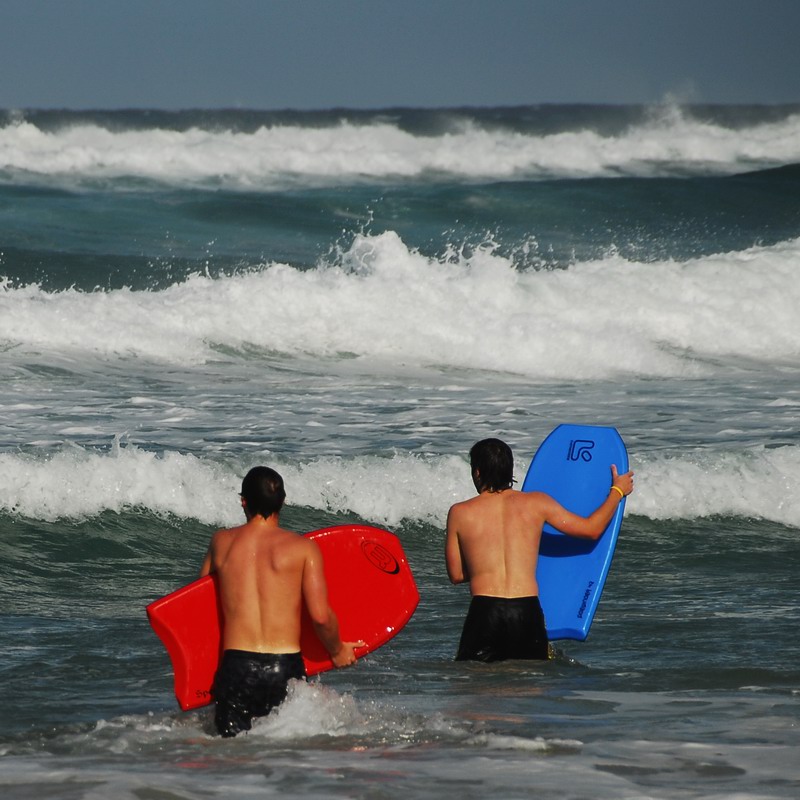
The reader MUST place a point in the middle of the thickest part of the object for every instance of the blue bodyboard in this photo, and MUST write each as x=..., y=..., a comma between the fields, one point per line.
x=573, y=465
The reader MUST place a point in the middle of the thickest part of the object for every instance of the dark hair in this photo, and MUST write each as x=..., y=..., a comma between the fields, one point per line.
x=263, y=492
x=492, y=464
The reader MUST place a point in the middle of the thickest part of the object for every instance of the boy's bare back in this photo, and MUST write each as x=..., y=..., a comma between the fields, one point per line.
x=261, y=569
x=497, y=538
x=493, y=539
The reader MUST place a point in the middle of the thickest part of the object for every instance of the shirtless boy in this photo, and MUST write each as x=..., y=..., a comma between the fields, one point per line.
x=492, y=542
x=265, y=575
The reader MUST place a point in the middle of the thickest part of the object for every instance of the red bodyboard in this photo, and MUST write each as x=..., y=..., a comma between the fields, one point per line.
x=370, y=587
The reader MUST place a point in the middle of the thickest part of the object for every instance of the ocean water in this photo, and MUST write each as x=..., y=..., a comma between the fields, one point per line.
x=355, y=298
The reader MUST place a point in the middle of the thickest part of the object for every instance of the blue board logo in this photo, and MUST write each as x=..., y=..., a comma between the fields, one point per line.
x=580, y=450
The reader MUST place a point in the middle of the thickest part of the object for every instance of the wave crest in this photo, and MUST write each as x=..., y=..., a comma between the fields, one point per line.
x=78, y=483
x=385, y=303
x=353, y=150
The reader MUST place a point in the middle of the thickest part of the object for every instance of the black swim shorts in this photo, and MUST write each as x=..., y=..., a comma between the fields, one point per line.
x=249, y=685
x=499, y=628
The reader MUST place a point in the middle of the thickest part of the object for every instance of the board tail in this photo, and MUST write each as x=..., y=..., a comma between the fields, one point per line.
x=188, y=622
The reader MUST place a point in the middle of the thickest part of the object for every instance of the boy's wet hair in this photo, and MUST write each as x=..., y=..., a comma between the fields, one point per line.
x=263, y=492
x=492, y=464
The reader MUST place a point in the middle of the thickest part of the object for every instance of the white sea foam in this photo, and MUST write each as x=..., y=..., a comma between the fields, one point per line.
x=495, y=741
x=77, y=483
x=381, y=300
x=311, y=709
x=759, y=483
x=273, y=156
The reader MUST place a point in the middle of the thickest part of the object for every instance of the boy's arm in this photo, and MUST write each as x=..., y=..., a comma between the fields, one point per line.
x=326, y=624
x=453, y=560
x=590, y=527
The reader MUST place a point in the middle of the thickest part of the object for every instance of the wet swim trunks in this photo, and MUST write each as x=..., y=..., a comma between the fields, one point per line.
x=249, y=685
x=499, y=628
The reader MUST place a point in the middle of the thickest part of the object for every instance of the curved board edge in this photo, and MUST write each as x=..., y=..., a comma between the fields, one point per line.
x=384, y=553
x=191, y=614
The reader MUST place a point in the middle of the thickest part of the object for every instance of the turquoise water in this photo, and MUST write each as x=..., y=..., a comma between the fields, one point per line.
x=354, y=298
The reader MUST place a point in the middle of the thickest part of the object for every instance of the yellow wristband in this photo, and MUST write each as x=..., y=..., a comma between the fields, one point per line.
x=621, y=493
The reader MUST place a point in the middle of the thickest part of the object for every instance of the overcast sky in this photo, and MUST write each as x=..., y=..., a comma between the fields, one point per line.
x=304, y=54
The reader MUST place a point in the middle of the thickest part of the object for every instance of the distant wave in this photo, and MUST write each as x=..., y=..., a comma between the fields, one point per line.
x=86, y=151
x=77, y=483
x=381, y=301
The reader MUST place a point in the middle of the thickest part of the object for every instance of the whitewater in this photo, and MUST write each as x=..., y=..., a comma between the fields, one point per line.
x=343, y=150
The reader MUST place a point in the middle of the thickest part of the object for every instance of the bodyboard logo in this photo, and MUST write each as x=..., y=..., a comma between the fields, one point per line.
x=380, y=557
x=580, y=450
x=586, y=596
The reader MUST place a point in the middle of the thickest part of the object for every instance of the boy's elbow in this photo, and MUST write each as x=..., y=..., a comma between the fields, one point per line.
x=321, y=618
x=596, y=533
x=457, y=576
